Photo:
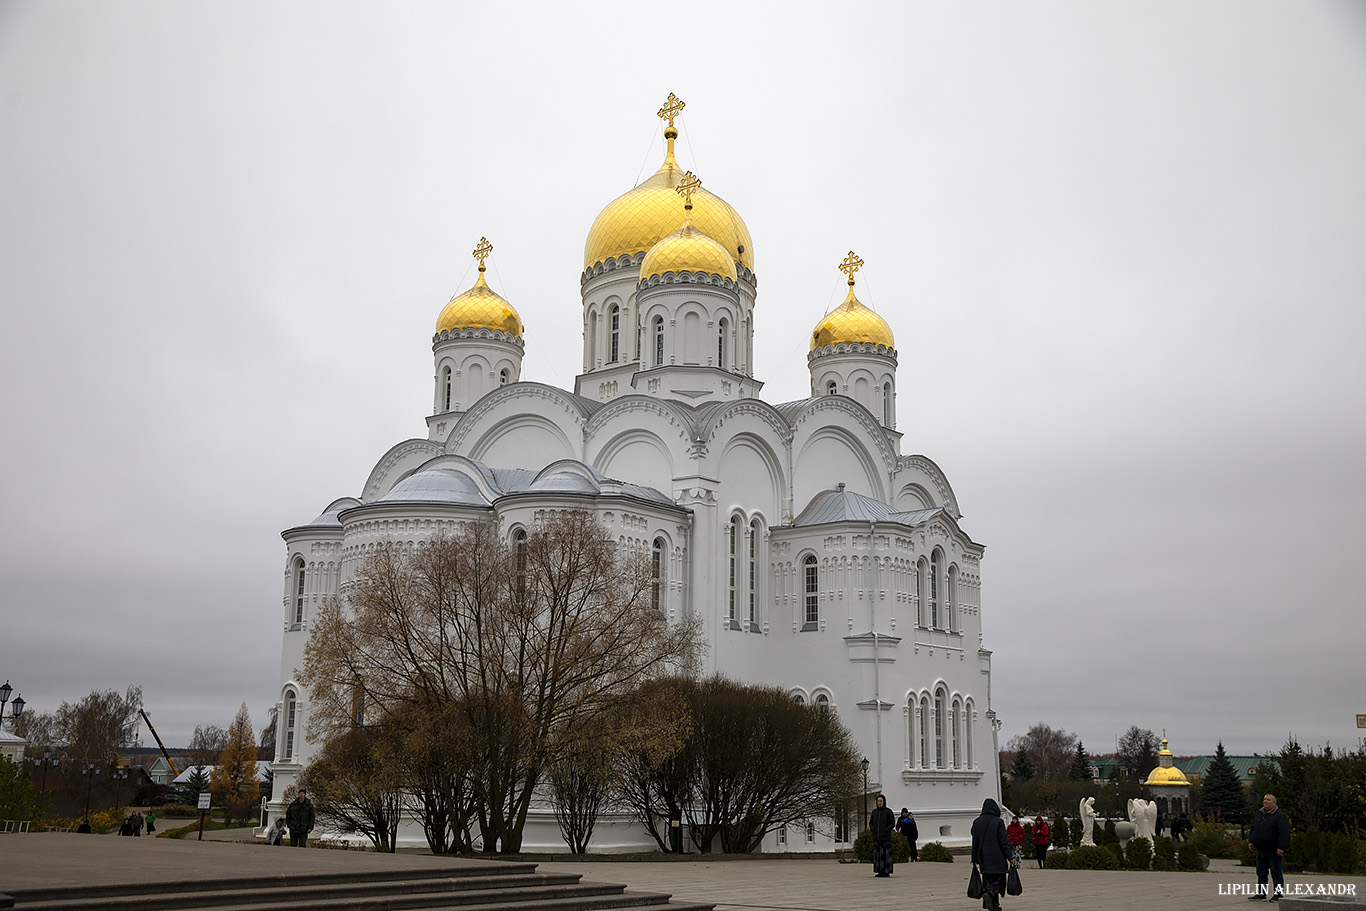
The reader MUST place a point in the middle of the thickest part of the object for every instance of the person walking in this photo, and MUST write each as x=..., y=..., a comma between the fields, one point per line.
x=1270, y=837
x=909, y=831
x=137, y=824
x=1041, y=835
x=275, y=835
x=299, y=817
x=992, y=854
x=151, y=821
x=882, y=823
x=1015, y=832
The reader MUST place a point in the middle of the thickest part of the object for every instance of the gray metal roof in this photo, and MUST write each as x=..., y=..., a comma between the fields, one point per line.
x=436, y=485
x=841, y=505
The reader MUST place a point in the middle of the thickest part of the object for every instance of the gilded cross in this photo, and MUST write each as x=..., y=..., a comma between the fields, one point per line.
x=687, y=187
x=482, y=251
x=671, y=108
x=851, y=265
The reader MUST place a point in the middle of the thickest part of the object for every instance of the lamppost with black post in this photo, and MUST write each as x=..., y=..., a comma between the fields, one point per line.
x=90, y=771
x=42, y=762
x=119, y=776
x=4, y=700
x=865, y=792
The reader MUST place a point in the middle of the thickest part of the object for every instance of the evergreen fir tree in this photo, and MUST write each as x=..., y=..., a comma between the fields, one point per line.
x=1023, y=769
x=1081, y=765
x=1221, y=792
x=197, y=781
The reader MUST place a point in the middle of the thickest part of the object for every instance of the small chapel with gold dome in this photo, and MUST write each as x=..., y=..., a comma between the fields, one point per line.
x=815, y=555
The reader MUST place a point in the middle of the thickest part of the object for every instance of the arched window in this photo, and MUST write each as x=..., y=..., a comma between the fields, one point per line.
x=922, y=572
x=955, y=727
x=445, y=388
x=291, y=719
x=503, y=377
x=936, y=558
x=887, y=405
x=968, y=758
x=721, y=342
x=592, y=340
x=812, y=596
x=656, y=572
x=939, y=709
x=799, y=699
x=519, y=551
x=924, y=733
x=830, y=388
x=951, y=601
x=659, y=341
x=751, y=582
x=822, y=702
x=614, y=340
x=298, y=592
x=734, y=584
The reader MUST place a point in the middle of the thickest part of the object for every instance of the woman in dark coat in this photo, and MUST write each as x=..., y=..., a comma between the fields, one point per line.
x=882, y=824
x=991, y=853
x=908, y=829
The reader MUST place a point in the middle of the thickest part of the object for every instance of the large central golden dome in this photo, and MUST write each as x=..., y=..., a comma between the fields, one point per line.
x=640, y=218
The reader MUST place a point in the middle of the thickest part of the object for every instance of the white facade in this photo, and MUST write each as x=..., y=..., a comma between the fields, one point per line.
x=818, y=557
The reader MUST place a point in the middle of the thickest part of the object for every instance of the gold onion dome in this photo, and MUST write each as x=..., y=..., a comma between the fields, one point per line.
x=480, y=307
x=688, y=249
x=851, y=322
x=1166, y=773
x=640, y=218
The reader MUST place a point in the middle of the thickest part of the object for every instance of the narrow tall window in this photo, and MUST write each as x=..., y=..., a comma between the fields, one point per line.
x=721, y=343
x=519, y=547
x=956, y=720
x=934, y=590
x=887, y=404
x=656, y=572
x=751, y=581
x=615, y=340
x=734, y=568
x=922, y=571
x=445, y=389
x=951, y=602
x=659, y=341
x=503, y=377
x=291, y=707
x=939, y=729
x=592, y=340
x=813, y=591
x=967, y=735
x=924, y=733
x=298, y=591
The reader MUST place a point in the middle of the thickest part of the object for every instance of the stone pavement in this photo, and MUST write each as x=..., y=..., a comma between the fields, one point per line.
x=743, y=884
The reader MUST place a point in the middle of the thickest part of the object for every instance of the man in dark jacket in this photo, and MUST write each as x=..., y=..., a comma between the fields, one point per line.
x=909, y=831
x=1270, y=837
x=299, y=818
x=991, y=853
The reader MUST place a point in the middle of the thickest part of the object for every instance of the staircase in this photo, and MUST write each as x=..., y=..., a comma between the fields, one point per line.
x=493, y=886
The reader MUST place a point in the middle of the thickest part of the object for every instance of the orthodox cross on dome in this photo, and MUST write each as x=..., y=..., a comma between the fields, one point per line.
x=851, y=265
x=687, y=187
x=671, y=109
x=482, y=251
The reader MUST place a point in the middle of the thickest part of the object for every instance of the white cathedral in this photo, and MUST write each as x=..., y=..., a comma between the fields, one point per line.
x=816, y=555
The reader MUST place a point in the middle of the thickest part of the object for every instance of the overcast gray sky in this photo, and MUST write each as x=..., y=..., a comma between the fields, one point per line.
x=1122, y=247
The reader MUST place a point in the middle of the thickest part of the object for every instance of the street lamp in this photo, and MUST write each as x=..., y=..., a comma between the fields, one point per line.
x=865, y=790
x=43, y=763
x=119, y=776
x=4, y=699
x=90, y=771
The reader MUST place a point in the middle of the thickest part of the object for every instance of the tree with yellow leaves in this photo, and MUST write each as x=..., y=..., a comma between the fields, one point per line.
x=233, y=780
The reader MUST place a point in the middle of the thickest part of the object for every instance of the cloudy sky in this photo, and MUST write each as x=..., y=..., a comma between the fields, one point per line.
x=1122, y=246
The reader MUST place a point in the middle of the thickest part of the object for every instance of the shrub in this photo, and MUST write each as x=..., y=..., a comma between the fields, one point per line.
x=100, y=821
x=901, y=848
x=1092, y=857
x=1056, y=860
x=1217, y=840
x=935, y=852
x=1138, y=854
x=1116, y=850
x=1188, y=858
x=1105, y=835
x=1029, y=834
x=1164, y=854
x=1325, y=852
x=179, y=810
x=1073, y=832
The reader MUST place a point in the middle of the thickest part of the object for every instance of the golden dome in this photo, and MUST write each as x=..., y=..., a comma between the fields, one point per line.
x=687, y=249
x=850, y=323
x=480, y=307
x=638, y=219
x=1167, y=775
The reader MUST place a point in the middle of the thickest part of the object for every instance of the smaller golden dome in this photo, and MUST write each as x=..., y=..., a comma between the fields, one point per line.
x=1167, y=775
x=852, y=323
x=480, y=307
x=688, y=249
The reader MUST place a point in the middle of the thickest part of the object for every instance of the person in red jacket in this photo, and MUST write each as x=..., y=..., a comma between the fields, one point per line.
x=1040, y=840
x=1015, y=832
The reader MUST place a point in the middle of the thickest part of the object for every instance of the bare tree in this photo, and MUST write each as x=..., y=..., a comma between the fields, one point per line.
x=1050, y=750
x=207, y=744
x=101, y=724
x=266, y=742
x=519, y=644
x=1138, y=751
x=40, y=729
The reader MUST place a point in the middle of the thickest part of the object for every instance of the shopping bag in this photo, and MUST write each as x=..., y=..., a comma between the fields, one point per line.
x=975, y=884
x=1013, y=884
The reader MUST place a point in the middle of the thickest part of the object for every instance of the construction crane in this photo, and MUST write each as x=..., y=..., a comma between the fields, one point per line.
x=169, y=761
